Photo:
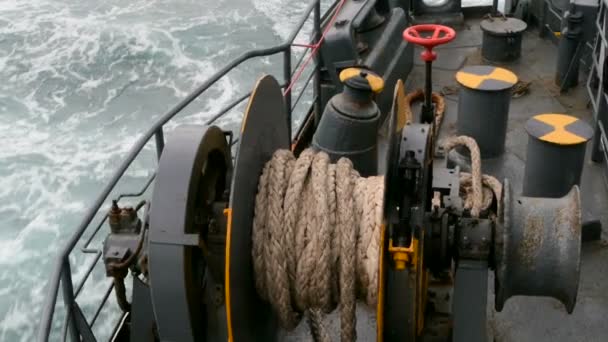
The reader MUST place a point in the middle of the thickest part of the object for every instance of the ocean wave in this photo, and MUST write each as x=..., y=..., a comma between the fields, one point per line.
x=82, y=81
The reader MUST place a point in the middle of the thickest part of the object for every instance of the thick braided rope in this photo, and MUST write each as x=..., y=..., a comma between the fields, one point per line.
x=439, y=107
x=478, y=190
x=491, y=188
x=476, y=197
x=316, y=239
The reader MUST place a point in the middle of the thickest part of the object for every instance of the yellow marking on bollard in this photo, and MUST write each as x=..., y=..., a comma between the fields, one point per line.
x=560, y=134
x=476, y=77
x=375, y=82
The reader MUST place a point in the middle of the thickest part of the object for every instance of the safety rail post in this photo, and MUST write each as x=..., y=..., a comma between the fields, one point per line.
x=287, y=78
x=316, y=39
x=160, y=141
x=68, y=299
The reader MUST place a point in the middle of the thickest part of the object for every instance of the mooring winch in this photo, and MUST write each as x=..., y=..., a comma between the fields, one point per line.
x=369, y=210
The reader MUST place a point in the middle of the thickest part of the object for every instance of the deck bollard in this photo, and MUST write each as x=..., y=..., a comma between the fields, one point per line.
x=483, y=106
x=502, y=39
x=555, y=154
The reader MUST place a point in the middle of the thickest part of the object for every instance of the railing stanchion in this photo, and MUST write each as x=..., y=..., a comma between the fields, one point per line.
x=68, y=299
x=160, y=141
x=317, y=71
x=287, y=77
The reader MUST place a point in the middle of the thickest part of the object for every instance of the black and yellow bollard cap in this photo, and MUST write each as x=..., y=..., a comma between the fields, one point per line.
x=486, y=78
x=374, y=81
x=559, y=129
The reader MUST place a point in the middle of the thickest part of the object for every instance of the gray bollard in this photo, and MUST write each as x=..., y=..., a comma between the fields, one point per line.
x=555, y=154
x=568, y=60
x=502, y=39
x=483, y=106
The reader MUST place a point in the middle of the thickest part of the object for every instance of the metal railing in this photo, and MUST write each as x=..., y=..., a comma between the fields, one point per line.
x=597, y=89
x=75, y=322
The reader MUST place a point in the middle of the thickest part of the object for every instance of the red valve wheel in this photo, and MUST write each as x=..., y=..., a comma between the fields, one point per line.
x=414, y=34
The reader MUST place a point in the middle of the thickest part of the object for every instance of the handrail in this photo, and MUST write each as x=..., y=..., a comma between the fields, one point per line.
x=61, y=270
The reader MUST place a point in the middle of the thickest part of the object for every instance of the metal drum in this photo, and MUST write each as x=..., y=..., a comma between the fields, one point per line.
x=555, y=154
x=502, y=39
x=483, y=107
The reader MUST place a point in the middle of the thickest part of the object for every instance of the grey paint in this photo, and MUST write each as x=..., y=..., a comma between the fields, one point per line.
x=527, y=318
x=502, y=39
x=483, y=115
x=539, y=247
x=552, y=170
x=173, y=251
x=470, y=297
x=265, y=131
x=142, y=316
x=349, y=127
x=381, y=49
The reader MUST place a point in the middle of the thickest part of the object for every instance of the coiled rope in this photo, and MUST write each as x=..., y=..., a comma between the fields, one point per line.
x=316, y=231
x=316, y=239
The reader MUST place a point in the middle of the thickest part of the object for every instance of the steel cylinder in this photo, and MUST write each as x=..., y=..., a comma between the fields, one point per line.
x=568, y=63
x=538, y=247
x=483, y=106
x=502, y=39
x=349, y=125
x=555, y=154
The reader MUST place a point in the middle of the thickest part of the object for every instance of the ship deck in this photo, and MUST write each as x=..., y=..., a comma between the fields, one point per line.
x=523, y=318
x=527, y=318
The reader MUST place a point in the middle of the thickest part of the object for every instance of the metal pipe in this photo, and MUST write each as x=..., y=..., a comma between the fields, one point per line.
x=301, y=93
x=86, y=275
x=85, y=248
x=427, y=110
x=317, y=92
x=141, y=192
x=230, y=107
x=287, y=78
x=301, y=127
x=227, y=108
x=299, y=62
x=160, y=141
x=103, y=302
x=68, y=299
x=118, y=325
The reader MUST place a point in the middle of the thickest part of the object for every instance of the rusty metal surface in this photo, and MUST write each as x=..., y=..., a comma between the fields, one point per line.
x=540, y=251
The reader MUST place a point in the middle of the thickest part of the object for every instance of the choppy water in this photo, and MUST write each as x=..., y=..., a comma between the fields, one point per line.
x=80, y=80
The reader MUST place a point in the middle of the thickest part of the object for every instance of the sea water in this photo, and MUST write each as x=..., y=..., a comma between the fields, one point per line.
x=80, y=81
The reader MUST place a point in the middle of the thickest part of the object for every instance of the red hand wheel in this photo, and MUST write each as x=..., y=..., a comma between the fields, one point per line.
x=439, y=34
x=428, y=36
